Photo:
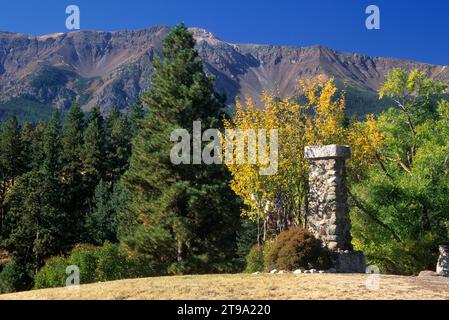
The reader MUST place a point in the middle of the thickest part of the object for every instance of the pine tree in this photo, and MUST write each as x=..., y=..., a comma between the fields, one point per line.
x=11, y=151
x=52, y=155
x=100, y=223
x=27, y=138
x=191, y=205
x=118, y=144
x=11, y=161
x=35, y=222
x=72, y=142
x=135, y=117
x=93, y=154
x=75, y=196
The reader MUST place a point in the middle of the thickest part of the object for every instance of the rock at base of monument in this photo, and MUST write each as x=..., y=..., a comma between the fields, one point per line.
x=349, y=262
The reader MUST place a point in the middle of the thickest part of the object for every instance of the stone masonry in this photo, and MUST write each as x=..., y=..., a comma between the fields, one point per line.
x=328, y=214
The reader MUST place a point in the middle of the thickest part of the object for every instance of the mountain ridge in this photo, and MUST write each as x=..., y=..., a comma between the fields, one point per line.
x=113, y=68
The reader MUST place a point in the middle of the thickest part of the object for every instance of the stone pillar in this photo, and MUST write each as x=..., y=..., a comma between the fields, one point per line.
x=443, y=261
x=328, y=212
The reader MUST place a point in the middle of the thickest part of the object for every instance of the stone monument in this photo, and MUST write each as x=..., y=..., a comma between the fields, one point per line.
x=328, y=213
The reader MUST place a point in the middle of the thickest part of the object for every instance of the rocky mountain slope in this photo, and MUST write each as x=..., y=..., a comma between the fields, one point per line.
x=114, y=68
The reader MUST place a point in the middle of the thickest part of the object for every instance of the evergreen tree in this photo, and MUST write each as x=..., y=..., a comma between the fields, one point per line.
x=136, y=116
x=11, y=161
x=72, y=142
x=119, y=144
x=27, y=139
x=101, y=223
x=52, y=148
x=93, y=154
x=35, y=143
x=35, y=222
x=189, y=210
x=75, y=196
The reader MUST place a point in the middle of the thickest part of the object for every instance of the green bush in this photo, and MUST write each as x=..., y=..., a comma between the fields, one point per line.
x=111, y=265
x=86, y=259
x=13, y=278
x=106, y=263
x=254, y=259
x=294, y=249
x=52, y=275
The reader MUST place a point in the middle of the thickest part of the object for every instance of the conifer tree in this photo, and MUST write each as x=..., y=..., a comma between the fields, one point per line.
x=27, y=138
x=135, y=117
x=100, y=223
x=189, y=210
x=11, y=155
x=93, y=154
x=72, y=168
x=11, y=161
x=35, y=222
x=118, y=144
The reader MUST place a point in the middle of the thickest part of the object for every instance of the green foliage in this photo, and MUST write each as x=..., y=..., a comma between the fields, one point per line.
x=93, y=154
x=13, y=278
x=400, y=209
x=106, y=263
x=101, y=222
x=34, y=222
x=53, y=274
x=25, y=109
x=189, y=211
x=246, y=239
x=255, y=259
x=119, y=135
x=136, y=116
x=50, y=76
x=294, y=249
x=86, y=259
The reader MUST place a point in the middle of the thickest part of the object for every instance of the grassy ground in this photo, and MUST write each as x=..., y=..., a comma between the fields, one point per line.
x=245, y=286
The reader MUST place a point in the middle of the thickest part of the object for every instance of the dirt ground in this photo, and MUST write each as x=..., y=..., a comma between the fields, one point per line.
x=248, y=286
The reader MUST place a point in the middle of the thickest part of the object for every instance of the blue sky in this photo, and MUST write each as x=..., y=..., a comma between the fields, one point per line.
x=417, y=30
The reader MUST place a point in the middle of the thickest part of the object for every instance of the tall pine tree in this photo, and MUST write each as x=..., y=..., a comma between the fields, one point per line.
x=11, y=161
x=118, y=144
x=187, y=211
x=35, y=222
x=93, y=154
x=72, y=169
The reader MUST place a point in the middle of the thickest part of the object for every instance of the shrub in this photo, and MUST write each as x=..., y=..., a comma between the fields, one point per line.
x=254, y=259
x=52, y=275
x=14, y=278
x=297, y=248
x=86, y=259
x=111, y=265
x=106, y=263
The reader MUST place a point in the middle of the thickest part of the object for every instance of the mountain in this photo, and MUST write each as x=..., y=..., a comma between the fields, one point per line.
x=113, y=68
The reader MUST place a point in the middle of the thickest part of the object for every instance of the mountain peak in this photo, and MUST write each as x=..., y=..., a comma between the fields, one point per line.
x=205, y=35
x=113, y=68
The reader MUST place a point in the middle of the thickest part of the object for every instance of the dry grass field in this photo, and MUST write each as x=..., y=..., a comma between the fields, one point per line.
x=246, y=286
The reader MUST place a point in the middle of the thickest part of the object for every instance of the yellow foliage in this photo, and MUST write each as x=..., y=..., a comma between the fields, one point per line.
x=319, y=121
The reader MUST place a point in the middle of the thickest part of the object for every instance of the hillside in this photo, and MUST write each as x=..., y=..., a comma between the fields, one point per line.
x=113, y=68
x=246, y=286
